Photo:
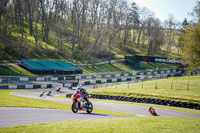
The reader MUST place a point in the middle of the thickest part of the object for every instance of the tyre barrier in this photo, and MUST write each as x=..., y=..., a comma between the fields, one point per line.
x=149, y=101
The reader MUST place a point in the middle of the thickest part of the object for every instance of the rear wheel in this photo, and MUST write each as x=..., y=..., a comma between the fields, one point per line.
x=89, y=108
x=74, y=108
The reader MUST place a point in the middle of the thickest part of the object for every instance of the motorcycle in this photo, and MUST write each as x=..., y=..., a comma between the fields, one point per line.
x=81, y=104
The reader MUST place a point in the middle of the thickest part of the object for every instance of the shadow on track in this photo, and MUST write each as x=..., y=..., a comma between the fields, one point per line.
x=93, y=114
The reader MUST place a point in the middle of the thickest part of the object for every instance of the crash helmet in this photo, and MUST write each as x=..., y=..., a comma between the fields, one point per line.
x=79, y=87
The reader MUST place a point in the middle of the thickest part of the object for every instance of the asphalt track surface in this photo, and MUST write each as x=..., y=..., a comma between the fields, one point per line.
x=10, y=116
x=18, y=116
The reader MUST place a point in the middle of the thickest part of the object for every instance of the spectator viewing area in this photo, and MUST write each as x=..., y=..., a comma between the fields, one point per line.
x=50, y=66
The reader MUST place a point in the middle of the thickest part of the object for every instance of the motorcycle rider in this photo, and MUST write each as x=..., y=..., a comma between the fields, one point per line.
x=83, y=93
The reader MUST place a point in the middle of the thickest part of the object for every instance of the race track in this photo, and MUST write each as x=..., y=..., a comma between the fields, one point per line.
x=17, y=116
x=10, y=116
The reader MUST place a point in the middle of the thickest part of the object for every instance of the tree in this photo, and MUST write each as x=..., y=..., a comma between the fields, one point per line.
x=191, y=49
x=111, y=23
x=36, y=17
x=155, y=35
x=99, y=29
x=144, y=15
x=134, y=19
x=3, y=4
x=196, y=12
x=59, y=24
x=48, y=8
x=184, y=24
x=170, y=30
x=127, y=21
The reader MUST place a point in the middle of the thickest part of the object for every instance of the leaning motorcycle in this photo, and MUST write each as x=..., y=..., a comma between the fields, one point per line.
x=81, y=104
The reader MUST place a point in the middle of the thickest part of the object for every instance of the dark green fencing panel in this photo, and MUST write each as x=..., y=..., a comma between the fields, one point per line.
x=130, y=74
x=128, y=79
x=74, y=84
x=60, y=78
x=20, y=86
x=4, y=87
x=32, y=78
x=109, y=81
x=49, y=86
x=119, y=80
x=87, y=83
x=98, y=81
x=36, y=86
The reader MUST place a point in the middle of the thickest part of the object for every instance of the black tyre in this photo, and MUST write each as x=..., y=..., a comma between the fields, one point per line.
x=74, y=108
x=89, y=108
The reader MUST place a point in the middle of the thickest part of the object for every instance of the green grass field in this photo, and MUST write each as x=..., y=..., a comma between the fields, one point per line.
x=185, y=88
x=14, y=70
x=113, y=125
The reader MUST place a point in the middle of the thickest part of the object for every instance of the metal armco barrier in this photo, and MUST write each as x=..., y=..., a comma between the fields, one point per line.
x=131, y=77
x=21, y=79
x=26, y=86
x=121, y=76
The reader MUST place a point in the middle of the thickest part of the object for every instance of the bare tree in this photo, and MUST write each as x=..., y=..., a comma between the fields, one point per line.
x=134, y=20
x=144, y=15
x=3, y=4
x=48, y=16
x=170, y=32
x=155, y=35
x=120, y=19
x=196, y=12
x=59, y=28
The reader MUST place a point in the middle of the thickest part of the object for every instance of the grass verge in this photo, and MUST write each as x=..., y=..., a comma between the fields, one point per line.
x=114, y=125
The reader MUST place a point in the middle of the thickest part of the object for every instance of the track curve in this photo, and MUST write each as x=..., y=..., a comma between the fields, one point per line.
x=126, y=108
x=16, y=116
x=10, y=116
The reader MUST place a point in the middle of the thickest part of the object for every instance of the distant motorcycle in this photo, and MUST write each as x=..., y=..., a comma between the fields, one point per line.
x=81, y=104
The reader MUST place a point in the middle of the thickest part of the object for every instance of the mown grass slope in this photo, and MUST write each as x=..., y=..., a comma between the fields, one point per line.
x=109, y=67
x=14, y=70
x=185, y=89
x=114, y=125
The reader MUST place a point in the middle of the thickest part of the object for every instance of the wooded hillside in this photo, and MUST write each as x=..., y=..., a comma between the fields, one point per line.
x=84, y=30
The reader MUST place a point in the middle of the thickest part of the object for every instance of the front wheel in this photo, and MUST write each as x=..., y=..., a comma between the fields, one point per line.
x=89, y=107
x=74, y=108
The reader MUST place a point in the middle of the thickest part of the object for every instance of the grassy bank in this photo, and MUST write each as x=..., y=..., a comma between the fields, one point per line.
x=114, y=125
x=112, y=67
x=185, y=88
x=121, y=66
x=14, y=70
